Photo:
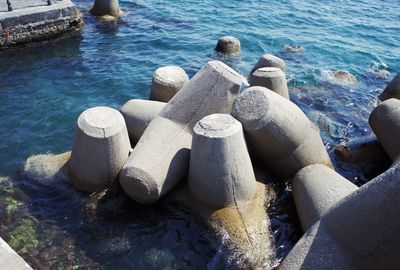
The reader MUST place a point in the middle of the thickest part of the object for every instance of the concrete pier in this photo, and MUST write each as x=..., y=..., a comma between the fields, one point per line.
x=35, y=21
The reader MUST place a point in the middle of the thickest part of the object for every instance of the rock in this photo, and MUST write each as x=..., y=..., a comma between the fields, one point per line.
x=345, y=77
x=278, y=132
x=293, y=48
x=228, y=45
x=160, y=159
x=316, y=188
x=106, y=8
x=166, y=82
x=220, y=172
x=272, y=78
x=392, y=90
x=269, y=60
x=138, y=114
x=101, y=147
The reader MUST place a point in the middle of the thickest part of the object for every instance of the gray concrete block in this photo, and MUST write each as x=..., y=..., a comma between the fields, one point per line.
x=138, y=113
x=160, y=159
x=316, y=188
x=269, y=60
x=100, y=149
x=220, y=172
x=278, y=132
x=385, y=122
x=10, y=260
x=392, y=90
x=166, y=82
x=106, y=7
x=228, y=45
x=272, y=78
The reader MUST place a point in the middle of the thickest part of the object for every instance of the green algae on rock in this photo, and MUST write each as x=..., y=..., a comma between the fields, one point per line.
x=24, y=237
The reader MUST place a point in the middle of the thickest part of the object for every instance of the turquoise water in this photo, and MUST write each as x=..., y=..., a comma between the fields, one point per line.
x=43, y=90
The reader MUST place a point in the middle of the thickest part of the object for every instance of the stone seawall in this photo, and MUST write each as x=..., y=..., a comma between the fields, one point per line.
x=34, y=24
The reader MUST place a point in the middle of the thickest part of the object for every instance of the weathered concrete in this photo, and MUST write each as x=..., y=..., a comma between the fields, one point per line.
x=272, y=78
x=269, y=60
x=168, y=138
x=278, y=132
x=228, y=45
x=138, y=113
x=9, y=259
x=392, y=90
x=316, y=188
x=359, y=232
x=385, y=122
x=39, y=23
x=106, y=8
x=166, y=82
x=100, y=149
x=220, y=172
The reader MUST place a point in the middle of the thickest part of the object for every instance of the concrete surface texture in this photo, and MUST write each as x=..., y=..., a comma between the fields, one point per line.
x=20, y=4
x=269, y=60
x=9, y=259
x=278, y=132
x=101, y=147
x=228, y=45
x=166, y=82
x=220, y=171
x=138, y=113
x=385, y=123
x=106, y=7
x=160, y=159
x=359, y=232
x=392, y=90
x=272, y=78
x=316, y=188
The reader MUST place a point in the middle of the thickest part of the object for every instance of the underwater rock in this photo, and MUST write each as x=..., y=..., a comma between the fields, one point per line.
x=166, y=82
x=228, y=45
x=160, y=160
x=344, y=77
x=106, y=8
x=47, y=168
x=392, y=90
x=138, y=113
x=101, y=147
x=272, y=78
x=293, y=48
x=269, y=60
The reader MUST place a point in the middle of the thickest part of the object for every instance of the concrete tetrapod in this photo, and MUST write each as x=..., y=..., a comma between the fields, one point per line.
x=385, y=122
x=220, y=171
x=161, y=157
x=392, y=90
x=272, y=78
x=138, y=113
x=359, y=232
x=316, y=188
x=269, y=60
x=100, y=149
x=278, y=132
x=106, y=7
x=166, y=82
x=228, y=45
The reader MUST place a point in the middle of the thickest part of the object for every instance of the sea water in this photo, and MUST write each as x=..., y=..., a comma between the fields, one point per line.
x=43, y=89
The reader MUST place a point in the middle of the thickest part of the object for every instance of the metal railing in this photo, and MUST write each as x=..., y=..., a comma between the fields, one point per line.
x=10, y=8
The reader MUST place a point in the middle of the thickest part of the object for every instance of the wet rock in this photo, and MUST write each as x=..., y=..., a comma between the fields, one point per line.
x=344, y=77
x=293, y=48
x=228, y=45
x=106, y=9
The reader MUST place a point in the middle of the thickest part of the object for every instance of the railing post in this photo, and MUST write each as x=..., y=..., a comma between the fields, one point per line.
x=9, y=5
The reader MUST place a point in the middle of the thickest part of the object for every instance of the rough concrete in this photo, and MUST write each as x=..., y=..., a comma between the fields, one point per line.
x=385, y=122
x=269, y=60
x=166, y=82
x=38, y=23
x=359, y=232
x=106, y=8
x=316, y=188
x=220, y=172
x=278, y=132
x=392, y=90
x=228, y=45
x=9, y=259
x=272, y=78
x=168, y=137
x=100, y=149
x=138, y=113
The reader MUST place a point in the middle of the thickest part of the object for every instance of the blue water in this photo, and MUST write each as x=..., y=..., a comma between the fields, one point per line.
x=43, y=89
